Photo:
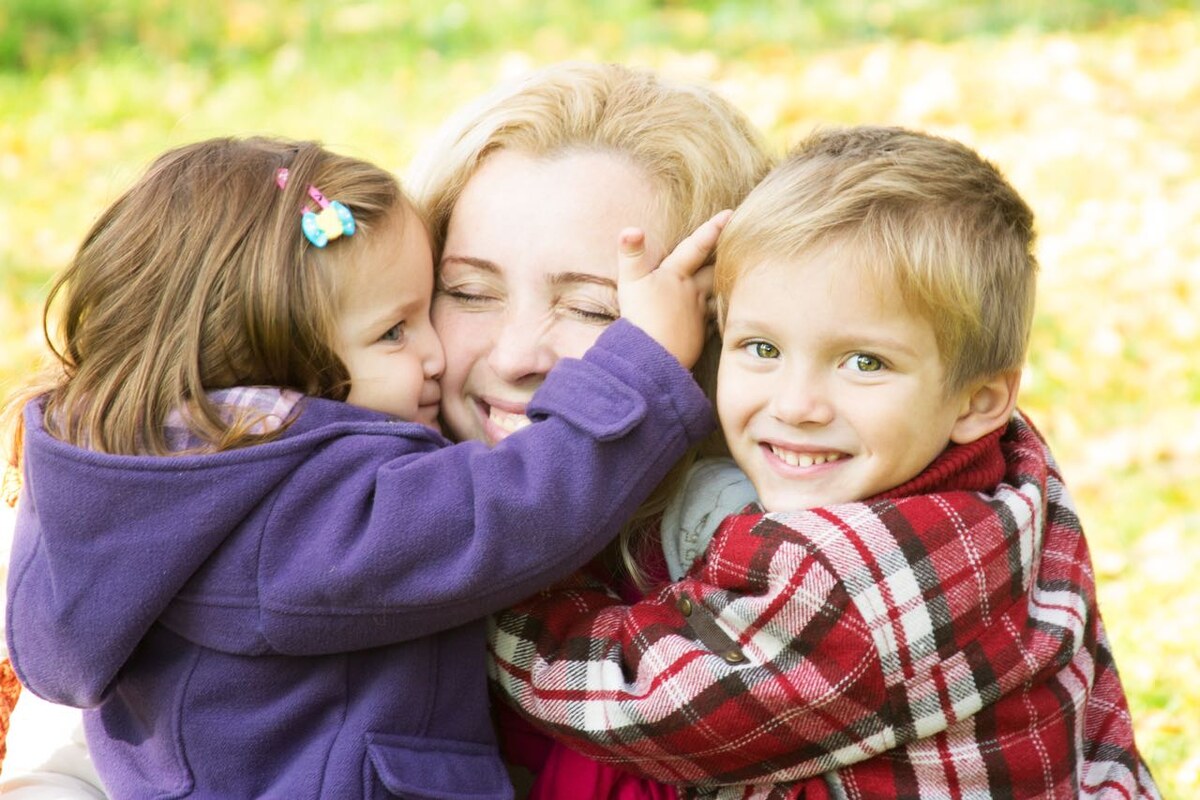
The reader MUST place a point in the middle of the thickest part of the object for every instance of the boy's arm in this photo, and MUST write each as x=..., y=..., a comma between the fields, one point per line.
x=805, y=642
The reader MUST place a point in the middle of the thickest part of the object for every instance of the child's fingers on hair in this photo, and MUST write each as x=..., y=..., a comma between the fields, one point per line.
x=703, y=280
x=693, y=253
x=631, y=255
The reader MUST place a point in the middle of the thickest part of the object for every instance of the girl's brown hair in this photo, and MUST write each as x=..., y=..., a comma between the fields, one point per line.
x=199, y=278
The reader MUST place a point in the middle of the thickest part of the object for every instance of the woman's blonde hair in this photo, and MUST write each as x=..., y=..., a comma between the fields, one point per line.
x=199, y=278
x=926, y=212
x=697, y=149
x=694, y=146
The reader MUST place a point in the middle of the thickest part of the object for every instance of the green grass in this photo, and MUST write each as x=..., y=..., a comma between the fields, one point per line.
x=1092, y=109
x=43, y=35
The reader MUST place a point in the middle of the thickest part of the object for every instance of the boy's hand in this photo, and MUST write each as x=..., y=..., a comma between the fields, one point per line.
x=670, y=301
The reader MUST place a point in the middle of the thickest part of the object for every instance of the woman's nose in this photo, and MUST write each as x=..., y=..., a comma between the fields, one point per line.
x=522, y=348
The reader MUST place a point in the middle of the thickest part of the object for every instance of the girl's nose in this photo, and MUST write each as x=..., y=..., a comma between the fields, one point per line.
x=433, y=356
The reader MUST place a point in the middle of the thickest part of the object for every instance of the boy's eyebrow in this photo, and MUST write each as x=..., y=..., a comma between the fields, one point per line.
x=873, y=341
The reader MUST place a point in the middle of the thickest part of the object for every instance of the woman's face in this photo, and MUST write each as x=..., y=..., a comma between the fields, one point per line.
x=528, y=276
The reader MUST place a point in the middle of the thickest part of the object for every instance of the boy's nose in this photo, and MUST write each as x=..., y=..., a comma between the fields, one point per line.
x=802, y=399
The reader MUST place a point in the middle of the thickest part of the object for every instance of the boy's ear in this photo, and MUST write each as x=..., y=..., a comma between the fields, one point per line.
x=986, y=407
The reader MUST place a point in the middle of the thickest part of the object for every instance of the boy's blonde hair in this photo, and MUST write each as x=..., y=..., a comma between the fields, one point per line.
x=924, y=211
x=699, y=152
x=199, y=278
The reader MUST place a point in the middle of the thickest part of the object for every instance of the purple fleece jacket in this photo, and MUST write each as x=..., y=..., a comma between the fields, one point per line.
x=303, y=618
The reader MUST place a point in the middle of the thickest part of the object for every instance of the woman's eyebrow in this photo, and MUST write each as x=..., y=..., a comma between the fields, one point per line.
x=563, y=278
x=472, y=261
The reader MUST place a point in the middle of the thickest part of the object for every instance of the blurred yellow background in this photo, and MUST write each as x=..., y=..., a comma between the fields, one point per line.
x=1092, y=108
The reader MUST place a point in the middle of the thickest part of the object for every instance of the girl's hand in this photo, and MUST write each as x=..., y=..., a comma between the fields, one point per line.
x=670, y=301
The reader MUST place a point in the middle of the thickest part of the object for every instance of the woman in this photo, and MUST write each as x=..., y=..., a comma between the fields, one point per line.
x=526, y=194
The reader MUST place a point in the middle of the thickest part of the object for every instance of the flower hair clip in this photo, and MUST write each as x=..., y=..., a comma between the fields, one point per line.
x=333, y=221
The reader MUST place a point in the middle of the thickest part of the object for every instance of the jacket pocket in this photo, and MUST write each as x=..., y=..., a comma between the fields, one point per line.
x=433, y=769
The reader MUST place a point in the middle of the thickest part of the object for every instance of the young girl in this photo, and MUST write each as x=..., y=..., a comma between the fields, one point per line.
x=242, y=543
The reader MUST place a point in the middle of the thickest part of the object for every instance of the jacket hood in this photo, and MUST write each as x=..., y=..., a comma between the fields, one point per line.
x=104, y=542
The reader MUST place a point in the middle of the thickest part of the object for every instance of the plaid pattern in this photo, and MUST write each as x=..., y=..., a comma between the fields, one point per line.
x=940, y=641
x=10, y=690
x=10, y=687
x=261, y=409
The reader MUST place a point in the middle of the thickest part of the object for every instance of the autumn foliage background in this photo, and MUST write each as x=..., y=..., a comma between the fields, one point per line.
x=1091, y=107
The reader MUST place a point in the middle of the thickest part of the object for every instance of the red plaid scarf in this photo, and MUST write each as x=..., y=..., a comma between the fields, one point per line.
x=940, y=641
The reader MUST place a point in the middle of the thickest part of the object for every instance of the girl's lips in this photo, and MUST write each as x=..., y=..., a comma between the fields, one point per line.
x=427, y=415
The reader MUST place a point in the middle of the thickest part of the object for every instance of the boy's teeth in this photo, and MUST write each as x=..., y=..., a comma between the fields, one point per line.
x=506, y=421
x=803, y=459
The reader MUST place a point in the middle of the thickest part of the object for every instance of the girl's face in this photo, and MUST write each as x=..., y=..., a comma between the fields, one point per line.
x=385, y=337
x=528, y=276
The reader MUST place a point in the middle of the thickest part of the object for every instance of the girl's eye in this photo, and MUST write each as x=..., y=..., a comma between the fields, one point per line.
x=762, y=350
x=863, y=362
x=394, y=333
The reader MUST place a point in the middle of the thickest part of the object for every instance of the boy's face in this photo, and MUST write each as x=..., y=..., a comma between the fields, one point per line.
x=830, y=389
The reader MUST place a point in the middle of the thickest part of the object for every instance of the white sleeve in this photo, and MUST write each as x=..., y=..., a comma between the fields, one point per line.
x=47, y=756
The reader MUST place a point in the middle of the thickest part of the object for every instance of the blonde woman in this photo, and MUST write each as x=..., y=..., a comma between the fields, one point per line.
x=524, y=191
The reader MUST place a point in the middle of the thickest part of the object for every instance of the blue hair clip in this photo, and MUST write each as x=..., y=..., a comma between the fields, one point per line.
x=332, y=221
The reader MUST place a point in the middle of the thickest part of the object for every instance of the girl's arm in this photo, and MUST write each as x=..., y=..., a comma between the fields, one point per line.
x=452, y=535
x=396, y=549
x=349, y=531
x=808, y=641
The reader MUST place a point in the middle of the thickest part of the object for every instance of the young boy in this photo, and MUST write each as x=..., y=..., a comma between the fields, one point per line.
x=915, y=614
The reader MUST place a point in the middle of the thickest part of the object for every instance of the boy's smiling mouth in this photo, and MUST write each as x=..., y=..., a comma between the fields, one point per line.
x=806, y=459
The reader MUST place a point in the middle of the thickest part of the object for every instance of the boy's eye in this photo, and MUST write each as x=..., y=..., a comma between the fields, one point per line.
x=863, y=362
x=394, y=333
x=763, y=350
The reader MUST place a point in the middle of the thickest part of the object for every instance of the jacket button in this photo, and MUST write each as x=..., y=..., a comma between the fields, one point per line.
x=685, y=606
x=733, y=656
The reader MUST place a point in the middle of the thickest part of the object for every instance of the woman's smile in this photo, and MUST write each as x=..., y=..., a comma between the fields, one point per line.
x=528, y=276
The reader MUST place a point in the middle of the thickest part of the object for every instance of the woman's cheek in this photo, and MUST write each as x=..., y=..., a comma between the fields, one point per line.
x=574, y=337
x=464, y=342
